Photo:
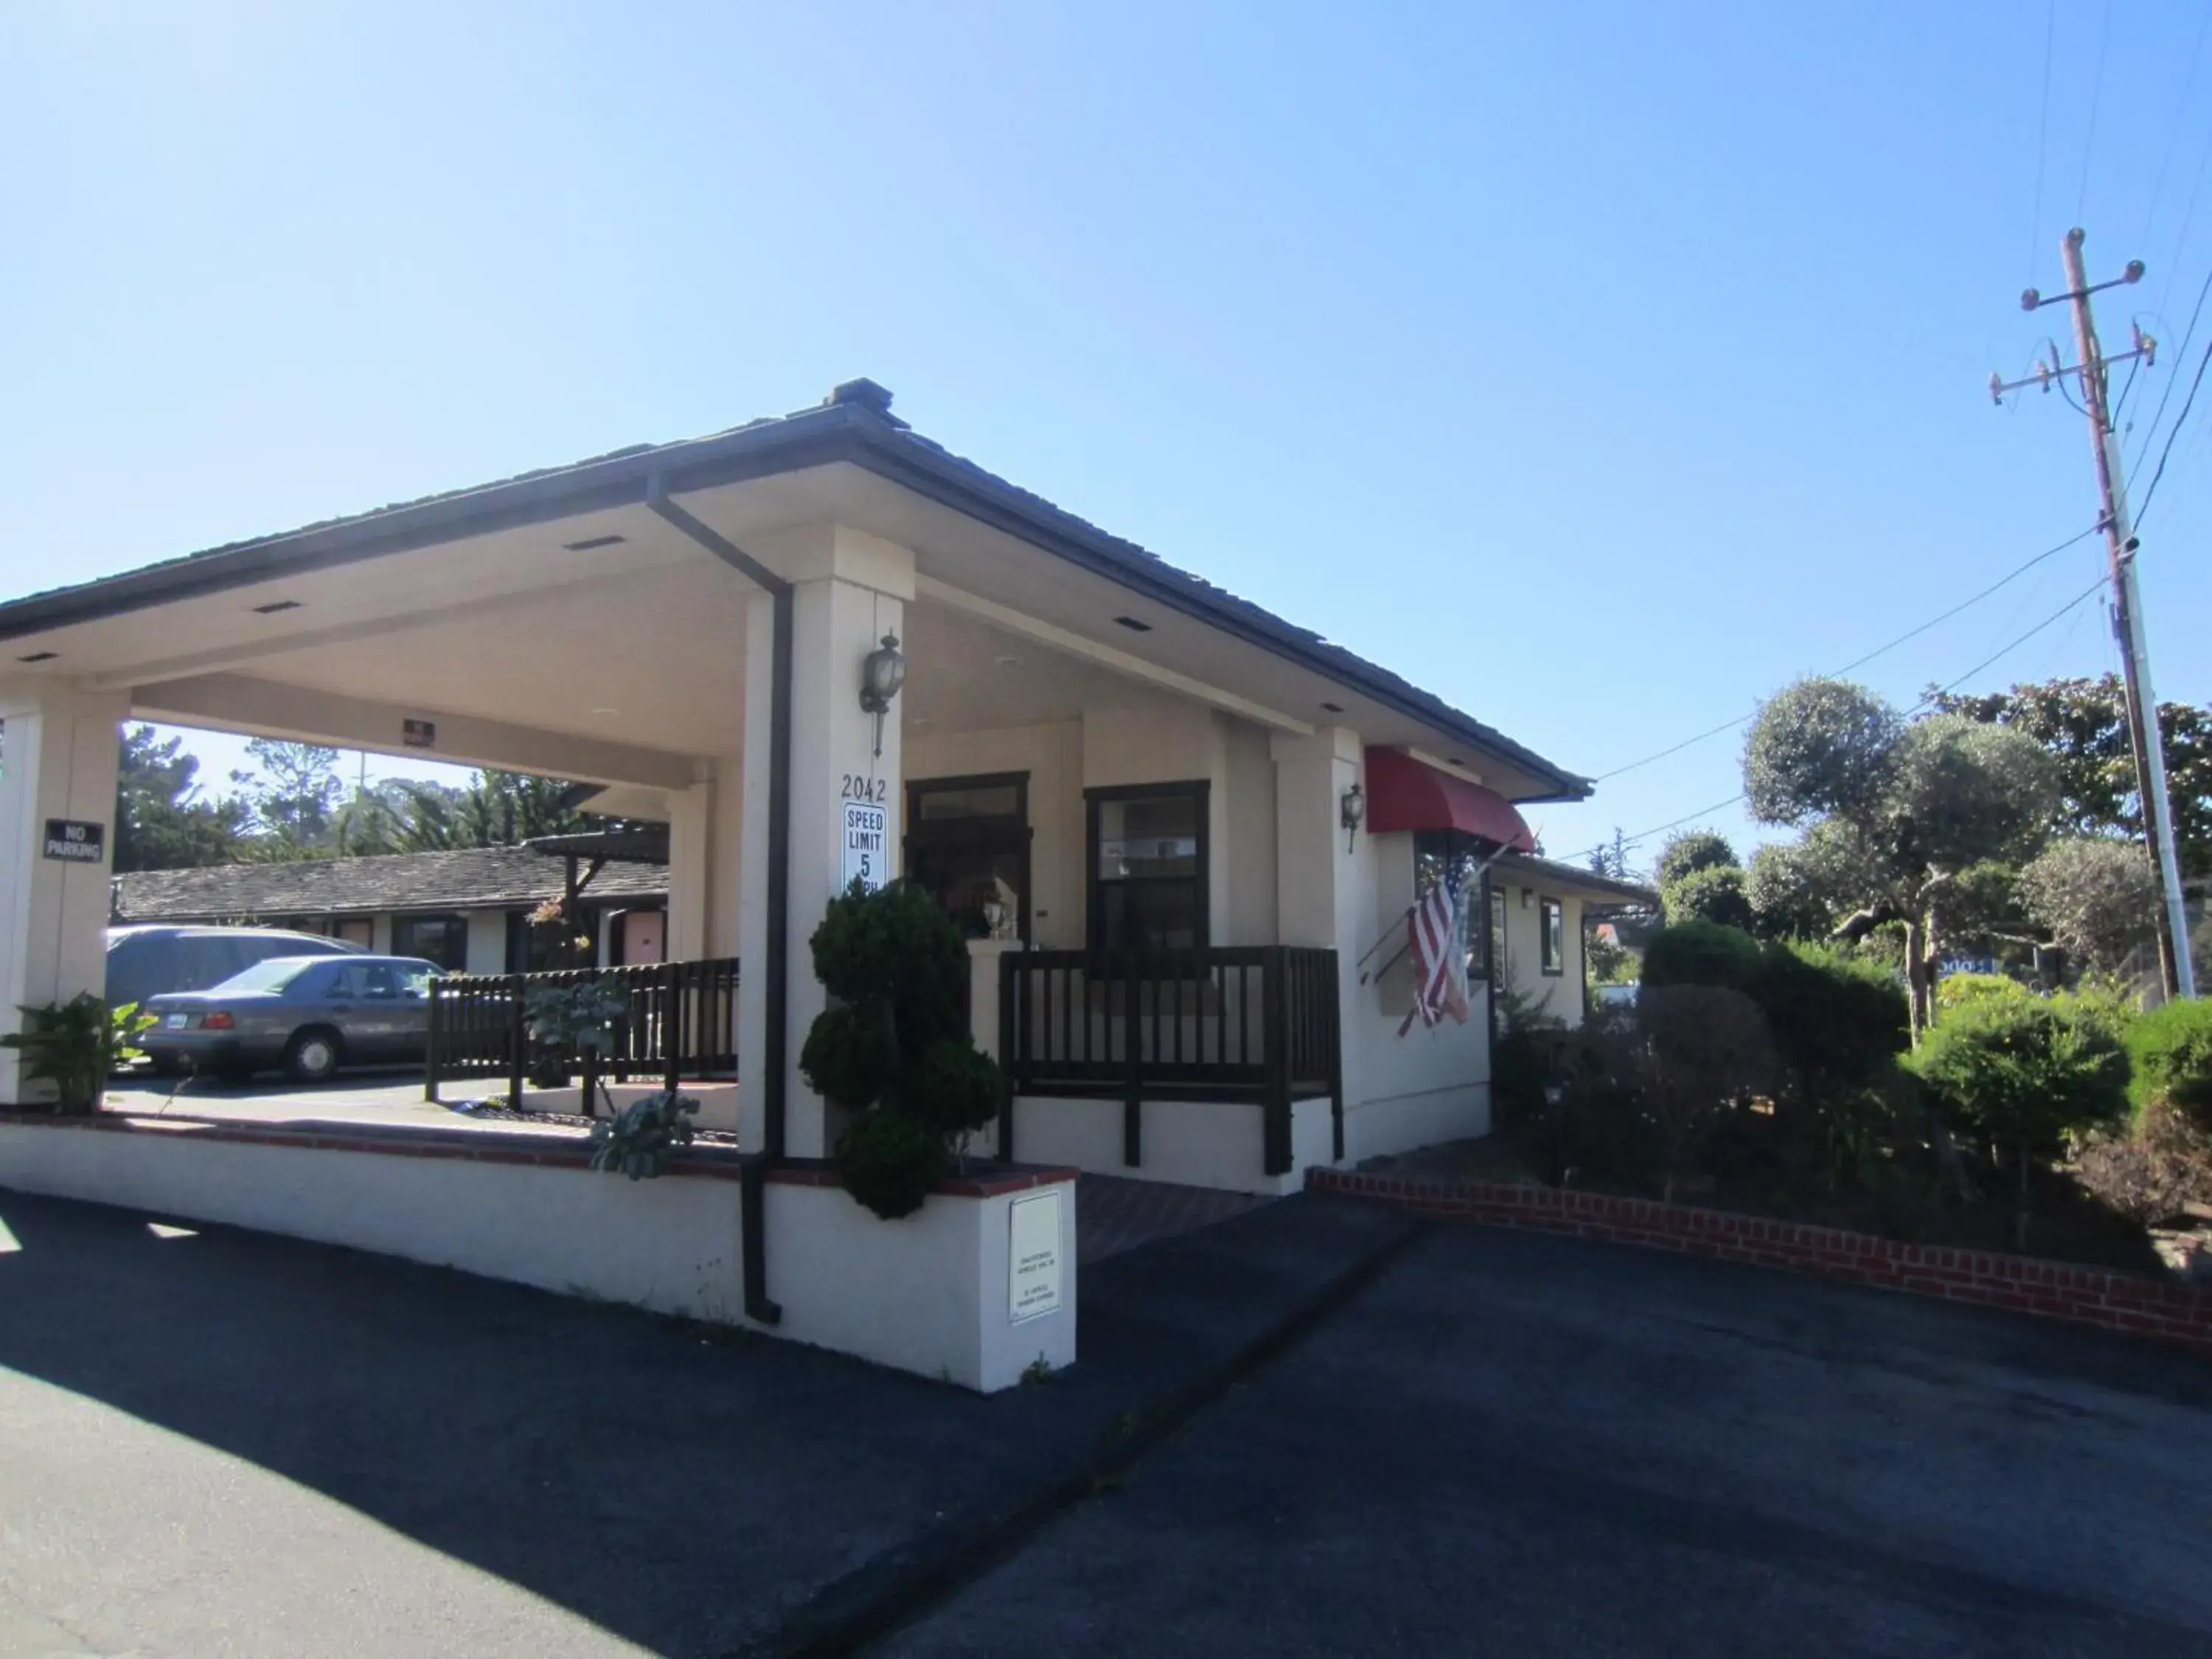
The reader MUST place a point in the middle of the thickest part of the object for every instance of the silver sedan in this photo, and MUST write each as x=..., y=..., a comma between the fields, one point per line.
x=309, y=1015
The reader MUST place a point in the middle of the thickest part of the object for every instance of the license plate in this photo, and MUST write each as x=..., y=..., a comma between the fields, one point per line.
x=176, y=1021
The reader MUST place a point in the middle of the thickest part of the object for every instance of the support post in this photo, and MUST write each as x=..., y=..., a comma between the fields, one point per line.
x=518, y=1042
x=1008, y=981
x=1133, y=1045
x=432, y=1040
x=2175, y=969
x=1275, y=1039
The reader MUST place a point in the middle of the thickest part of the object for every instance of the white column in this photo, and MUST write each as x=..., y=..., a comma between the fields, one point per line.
x=854, y=590
x=58, y=762
x=689, y=874
x=1322, y=889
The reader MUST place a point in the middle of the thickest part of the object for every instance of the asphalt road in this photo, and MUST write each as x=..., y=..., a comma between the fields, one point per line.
x=216, y=1443
x=1529, y=1446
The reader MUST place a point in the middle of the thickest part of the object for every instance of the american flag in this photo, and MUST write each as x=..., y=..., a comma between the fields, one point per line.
x=1439, y=951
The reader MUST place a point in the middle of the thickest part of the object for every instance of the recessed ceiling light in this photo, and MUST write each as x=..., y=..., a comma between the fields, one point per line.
x=1007, y=662
x=606, y=711
x=40, y=656
x=1133, y=625
x=1334, y=707
x=591, y=542
x=275, y=605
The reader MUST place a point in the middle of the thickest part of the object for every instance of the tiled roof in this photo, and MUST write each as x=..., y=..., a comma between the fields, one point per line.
x=854, y=425
x=476, y=878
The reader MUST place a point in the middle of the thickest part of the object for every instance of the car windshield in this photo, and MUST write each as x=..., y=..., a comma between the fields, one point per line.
x=273, y=974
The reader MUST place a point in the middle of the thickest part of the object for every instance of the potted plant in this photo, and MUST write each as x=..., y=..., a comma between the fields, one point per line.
x=76, y=1046
x=573, y=1021
x=893, y=1049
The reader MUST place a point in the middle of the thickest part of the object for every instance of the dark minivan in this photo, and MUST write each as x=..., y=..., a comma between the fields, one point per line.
x=149, y=960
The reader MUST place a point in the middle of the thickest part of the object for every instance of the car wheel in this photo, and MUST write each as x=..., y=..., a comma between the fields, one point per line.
x=311, y=1057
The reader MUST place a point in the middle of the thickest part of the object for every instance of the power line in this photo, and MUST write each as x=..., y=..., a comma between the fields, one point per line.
x=2053, y=619
x=2173, y=128
x=2041, y=138
x=1860, y=662
x=2181, y=354
x=2096, y=98
x=2173, y=432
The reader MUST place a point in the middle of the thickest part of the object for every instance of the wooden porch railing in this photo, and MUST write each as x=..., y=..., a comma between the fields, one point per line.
x=682, y=1021
x=1239, y=1022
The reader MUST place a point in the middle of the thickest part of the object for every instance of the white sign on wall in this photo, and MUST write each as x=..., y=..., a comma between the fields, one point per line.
x=1033, y=1271
x=867, y=845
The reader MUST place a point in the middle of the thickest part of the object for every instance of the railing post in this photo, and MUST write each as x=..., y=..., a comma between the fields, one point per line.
x=431, y=1037
x=1331, y=1009
x=1132, y=1040
x=1008, y=981
x=517, y=1038
x=672, y=1028
x=1275, y=1037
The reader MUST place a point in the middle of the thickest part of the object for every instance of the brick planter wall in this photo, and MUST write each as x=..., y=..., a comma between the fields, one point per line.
x=2084, y=1296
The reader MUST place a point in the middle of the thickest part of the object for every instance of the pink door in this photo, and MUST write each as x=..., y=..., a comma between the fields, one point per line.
x=643, y=933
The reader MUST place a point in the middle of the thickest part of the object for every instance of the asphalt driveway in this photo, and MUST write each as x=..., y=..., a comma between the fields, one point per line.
x=213, y=1441
x=1525, y=1445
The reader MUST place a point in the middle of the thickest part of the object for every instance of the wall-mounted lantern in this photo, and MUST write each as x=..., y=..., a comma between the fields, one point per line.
x=883, y=670
x=1352, y=812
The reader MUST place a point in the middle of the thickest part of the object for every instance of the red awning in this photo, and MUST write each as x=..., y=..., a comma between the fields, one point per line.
x=1404, y=793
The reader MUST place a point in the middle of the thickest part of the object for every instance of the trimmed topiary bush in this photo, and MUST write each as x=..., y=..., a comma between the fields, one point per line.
x=893, y=1048
x=1957, y=991
x=2172, y=1048
x=1701, y=953
x=2025, y=1075
x=1717, y=893
x=1838, y=1021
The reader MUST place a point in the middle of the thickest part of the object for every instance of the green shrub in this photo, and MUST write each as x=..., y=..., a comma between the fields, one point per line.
x=2172, y=1048
x=1717, y=893
x=1838, y=1021
x=2025, y=1074
x=1957, y=991
x=1701, y=953
x=889, y=1163
x=893, y=1048
x=76, y=1046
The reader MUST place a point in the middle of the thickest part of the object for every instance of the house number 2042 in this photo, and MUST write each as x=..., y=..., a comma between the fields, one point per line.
x=858, y=788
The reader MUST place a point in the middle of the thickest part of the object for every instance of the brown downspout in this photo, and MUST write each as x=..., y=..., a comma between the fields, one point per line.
x=775, y=994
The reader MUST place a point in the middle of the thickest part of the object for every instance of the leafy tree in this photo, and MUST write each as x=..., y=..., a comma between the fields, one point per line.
x=161, y=820
x=1610, y=859
x=1713, y=892
x=1894, y=813
x=1688, y=851
x=294, y=797
x=2083, y=723
x=2096, y=895
x=497, y=809
x=1787, y=899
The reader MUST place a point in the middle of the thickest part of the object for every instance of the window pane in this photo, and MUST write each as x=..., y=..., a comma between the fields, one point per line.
x=980, y=890
x=1148, y=836
x=996, y=800
x=1555, y=949
x=1149, y=916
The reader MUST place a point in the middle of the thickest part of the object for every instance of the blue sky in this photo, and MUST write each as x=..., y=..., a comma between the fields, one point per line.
x=1601, y=367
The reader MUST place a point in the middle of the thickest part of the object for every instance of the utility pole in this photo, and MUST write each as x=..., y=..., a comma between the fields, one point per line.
x=2121, y=546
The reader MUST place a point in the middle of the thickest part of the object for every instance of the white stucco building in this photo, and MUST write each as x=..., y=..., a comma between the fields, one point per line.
x=1159, y=809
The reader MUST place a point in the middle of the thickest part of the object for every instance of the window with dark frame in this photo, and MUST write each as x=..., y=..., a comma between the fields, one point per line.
x=443, y=939
x=1554, y=917
x=968, y=842
x=1148, y=846
x=1456, y=857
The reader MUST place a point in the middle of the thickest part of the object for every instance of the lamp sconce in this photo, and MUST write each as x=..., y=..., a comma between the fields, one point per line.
x=1352, y=812
x=883, y=670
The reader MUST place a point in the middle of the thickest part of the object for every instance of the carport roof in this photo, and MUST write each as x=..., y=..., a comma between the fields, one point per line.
x=853, y=425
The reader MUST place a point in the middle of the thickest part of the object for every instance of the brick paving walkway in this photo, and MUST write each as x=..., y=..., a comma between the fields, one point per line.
x=1115, y=1213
